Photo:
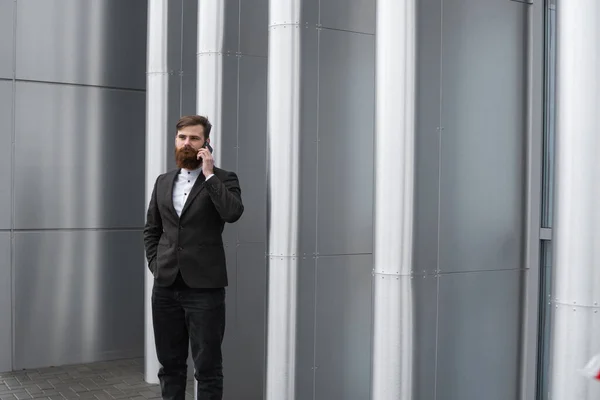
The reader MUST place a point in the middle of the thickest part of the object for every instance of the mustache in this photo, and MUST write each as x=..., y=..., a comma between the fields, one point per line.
x=187, y=150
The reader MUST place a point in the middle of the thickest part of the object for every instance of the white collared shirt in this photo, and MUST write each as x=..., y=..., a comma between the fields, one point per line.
x=183, y=186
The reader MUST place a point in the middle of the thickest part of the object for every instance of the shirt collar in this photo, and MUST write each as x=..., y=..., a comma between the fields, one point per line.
x=194, y=173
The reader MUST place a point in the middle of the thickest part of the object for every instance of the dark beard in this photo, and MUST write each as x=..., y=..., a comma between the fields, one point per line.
x=186, y=157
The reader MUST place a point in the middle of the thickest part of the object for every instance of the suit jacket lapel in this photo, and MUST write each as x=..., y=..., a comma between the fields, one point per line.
x=171, y=181
x=197, y=188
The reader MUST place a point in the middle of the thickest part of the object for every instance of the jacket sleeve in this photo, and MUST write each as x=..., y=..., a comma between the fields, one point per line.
x=226, y=196
x=153, y=228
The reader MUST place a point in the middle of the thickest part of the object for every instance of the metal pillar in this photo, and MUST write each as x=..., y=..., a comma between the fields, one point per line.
x=209, y=92
x=394, y=199
x=157, y=86
x=283, y=195
x=576, y=237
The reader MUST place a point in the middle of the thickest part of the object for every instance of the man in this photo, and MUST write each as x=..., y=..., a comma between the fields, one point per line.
x=184, y=248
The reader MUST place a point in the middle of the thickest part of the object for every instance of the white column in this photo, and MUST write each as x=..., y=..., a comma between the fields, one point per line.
x=576, y=234
x=209, y=91
x=157, y=85
x=394, y=199
x=283, y=195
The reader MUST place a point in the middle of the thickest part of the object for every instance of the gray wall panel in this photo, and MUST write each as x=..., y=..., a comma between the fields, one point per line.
x=484, y=137
x=346, y=123
x=254, y=21
x=5, y=303
x=190, y=58
x=425, y=336
x=83, y=290
x=229, y=123
x=189, y=34
x=6, y=106
x=308, y=143
x=85, y=170
x=310, y=13
x=427, y=175
x=305, y=342
x=252, y=152
x=188, y=93
x=174, y=37
x=6, y=38
x=92, y=42
x=251, y=323
x=349, y=15
x=343, y=327
x=231, y=18
x=479, y=335
x=229, y=349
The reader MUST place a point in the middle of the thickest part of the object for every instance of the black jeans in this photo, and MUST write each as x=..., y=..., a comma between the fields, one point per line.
x=182, y=315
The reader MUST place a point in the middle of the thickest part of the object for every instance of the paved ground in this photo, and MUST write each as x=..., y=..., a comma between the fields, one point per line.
x=123, y=379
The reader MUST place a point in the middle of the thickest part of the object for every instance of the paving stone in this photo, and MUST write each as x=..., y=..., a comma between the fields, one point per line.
x=106, y=380
x=12, y=383
x=33, y=390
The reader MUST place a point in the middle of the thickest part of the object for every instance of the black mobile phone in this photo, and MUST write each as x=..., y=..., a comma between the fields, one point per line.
x=207, y=146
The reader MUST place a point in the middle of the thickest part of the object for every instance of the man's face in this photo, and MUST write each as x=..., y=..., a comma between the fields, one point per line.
x=187, y=143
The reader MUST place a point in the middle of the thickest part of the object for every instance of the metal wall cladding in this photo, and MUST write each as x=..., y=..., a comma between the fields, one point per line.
x=91, y=42
x=470, y=199
x=229, y=341
x=254, y=31
x=83, y=290
x=343, y=318
x=7, y=38
x=79, y=157
x=348, y=15
x=188, y=37
x=252, y=148
x=78, y=160
x=305, y=335
x=309, y=153
x=6, y=106
x=484, y=135
x=5, y=303
x=425, y=316
x=478, y=339
x=345, y=153
x=189, y=46
x=427, y=139
x=249, y=330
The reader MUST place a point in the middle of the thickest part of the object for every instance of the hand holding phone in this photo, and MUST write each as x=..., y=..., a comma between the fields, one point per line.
x=207, y=160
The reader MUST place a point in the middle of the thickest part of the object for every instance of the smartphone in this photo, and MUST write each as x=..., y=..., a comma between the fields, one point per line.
x=207, y=146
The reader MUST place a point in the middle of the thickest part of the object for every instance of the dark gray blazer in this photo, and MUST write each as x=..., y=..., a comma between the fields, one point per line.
x=191, y=243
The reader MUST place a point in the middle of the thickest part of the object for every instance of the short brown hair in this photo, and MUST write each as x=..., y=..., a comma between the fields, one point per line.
x=194, y=120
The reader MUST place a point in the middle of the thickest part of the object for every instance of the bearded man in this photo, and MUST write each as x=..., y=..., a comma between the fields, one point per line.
x=184, y=248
